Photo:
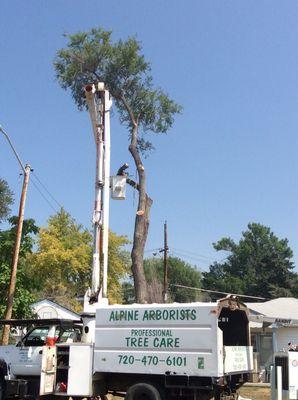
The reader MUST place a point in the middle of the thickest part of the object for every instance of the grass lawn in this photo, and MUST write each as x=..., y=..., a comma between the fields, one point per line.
x=255, y=393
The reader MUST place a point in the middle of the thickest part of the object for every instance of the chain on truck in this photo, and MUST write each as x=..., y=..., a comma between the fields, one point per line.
x=154, y=352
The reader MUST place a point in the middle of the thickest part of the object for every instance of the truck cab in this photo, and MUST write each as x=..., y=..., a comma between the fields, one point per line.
x=20, y=363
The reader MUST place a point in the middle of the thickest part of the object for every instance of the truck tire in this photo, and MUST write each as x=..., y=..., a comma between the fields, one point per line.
x=2, y=389
x=143, y=391
x=3, y=372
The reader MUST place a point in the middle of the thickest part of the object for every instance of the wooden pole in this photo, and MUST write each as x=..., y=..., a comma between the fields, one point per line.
x=15, y=259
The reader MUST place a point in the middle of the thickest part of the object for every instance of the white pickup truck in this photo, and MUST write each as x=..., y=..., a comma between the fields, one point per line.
x=21, y=362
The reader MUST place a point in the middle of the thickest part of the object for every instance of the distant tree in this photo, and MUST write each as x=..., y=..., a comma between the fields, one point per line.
x=92, y=56
x=128, y=293
x=118, y=267
x=6, y=199
x=179, y=273
x=24, y=286
x=295, y=286
x=61, y=266
x=260, y=264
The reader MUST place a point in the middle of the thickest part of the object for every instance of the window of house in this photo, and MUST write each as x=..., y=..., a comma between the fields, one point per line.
x=266, y=349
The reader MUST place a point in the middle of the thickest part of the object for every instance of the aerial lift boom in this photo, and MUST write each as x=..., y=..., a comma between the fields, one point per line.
x=99, y=105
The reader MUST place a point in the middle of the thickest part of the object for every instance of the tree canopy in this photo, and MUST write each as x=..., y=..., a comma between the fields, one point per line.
x=260, y=264
x=91, y=57
x=61, y=266
x=24, y=286
x=6, y=199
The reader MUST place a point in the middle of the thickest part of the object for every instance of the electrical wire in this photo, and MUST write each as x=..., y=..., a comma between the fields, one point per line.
x=216, y=291
x=43, y=196
x=45, y=188
x=152, y=250
x=198, y=259
x=194, y=253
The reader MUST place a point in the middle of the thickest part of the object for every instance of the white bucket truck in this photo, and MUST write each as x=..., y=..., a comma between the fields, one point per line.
x=149, y=352
x=158, y=351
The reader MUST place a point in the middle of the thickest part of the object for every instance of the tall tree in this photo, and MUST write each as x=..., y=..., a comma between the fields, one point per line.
x=179, y=273
x=260, y=264
x=6, y=199
x=60, y=267
x=24, y=286
x=92, y=56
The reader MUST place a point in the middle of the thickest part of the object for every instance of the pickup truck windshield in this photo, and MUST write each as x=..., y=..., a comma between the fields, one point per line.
x=37, y=336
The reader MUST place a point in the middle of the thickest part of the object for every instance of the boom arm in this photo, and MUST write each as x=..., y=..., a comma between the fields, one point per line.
x=99, y=105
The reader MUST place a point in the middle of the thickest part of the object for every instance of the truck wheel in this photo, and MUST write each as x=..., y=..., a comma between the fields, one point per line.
x=143, y=391
x=2, y=389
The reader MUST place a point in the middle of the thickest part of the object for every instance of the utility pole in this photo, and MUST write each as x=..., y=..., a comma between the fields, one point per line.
x=165, y=264
x=15, y=259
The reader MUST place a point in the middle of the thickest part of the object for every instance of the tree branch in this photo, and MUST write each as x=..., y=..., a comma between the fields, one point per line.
x=129, y=110
x=78, y=59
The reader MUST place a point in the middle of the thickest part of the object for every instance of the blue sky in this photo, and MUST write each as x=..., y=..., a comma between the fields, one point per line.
x=230, y=158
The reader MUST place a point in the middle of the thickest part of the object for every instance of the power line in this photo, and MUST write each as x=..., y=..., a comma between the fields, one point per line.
x=35, y=176
x=216, y=291
x=198, y=259
x=186, y=252
x=193, y=253
x=151, y=250
x=45, y=188
x=43, y=196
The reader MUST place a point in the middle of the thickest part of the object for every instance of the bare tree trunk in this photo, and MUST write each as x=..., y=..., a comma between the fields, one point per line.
x=142, y=214
x=137, y=253
x=141, y=225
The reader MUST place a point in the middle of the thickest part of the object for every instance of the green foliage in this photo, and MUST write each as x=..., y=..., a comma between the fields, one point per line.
x=118, y=267
x=179, y=273
x=61, y=267
x=24, y=286
x=6, y=199
x=92, y=56
x=259, y=265
x=128, y=292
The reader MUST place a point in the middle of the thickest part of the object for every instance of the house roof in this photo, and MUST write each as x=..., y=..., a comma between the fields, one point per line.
x=282, y=308
x=54, y=304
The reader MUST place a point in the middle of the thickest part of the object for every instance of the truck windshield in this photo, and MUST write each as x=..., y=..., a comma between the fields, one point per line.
x=37, y=336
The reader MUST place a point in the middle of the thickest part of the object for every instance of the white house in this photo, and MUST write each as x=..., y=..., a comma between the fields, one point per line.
x=49, y=309
x=285, y=311
x=279, y=328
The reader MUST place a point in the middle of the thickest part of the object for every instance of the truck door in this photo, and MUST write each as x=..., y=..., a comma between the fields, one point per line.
x=29, y=353
x=233, y=322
